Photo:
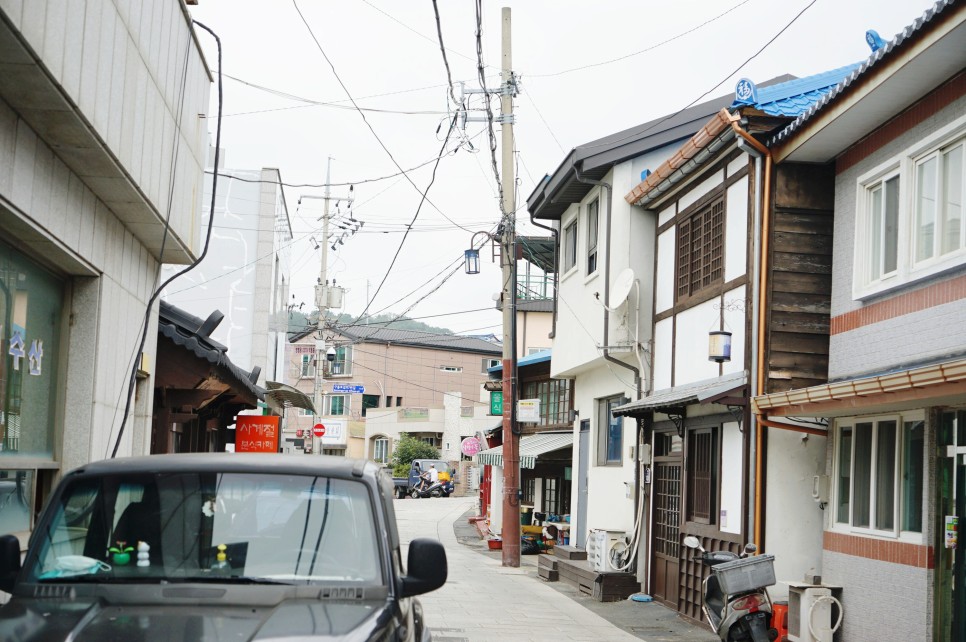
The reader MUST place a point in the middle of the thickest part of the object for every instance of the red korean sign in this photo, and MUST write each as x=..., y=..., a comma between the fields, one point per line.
x=318, y=430
x=256, y=434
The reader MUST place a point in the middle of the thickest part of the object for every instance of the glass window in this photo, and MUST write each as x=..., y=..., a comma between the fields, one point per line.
x=16, y=490
x=380, y=450
x=610, y=432
x=342, y=364
x=370, y=401
x=884, y=232
x=570, y=246
x=913, y=442
x=337, y=404
x=939, y=203
x=307, y=369
x=593, y=220
x=292, y=529
x=879, y=475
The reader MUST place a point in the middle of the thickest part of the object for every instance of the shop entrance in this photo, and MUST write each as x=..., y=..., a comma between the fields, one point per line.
x=951, y=556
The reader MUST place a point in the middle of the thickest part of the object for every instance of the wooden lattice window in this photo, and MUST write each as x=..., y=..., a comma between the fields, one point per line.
x=701, y=250
x=702, y=476
x=667, y=509
x=555, y=402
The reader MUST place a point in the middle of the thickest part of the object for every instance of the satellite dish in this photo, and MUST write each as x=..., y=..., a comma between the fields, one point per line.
x=622, y=287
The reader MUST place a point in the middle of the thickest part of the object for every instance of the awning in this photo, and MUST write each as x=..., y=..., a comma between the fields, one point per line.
x=531, y=447
x=725, y=390
x=288, y=396
x=939, y=384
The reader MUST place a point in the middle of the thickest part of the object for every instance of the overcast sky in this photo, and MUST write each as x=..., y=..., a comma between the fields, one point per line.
x=588, y=69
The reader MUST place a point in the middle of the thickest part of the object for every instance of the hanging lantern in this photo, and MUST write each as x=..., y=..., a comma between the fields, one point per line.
x=719, y=346
x=471, y=261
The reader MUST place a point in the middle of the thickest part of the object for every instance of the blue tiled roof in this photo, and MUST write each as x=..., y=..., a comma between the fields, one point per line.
x=794, y=97
x=530, y=359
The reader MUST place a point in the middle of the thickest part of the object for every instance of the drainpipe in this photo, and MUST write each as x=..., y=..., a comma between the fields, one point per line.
x=638, y=517
x=751, y=146
x=556, y=252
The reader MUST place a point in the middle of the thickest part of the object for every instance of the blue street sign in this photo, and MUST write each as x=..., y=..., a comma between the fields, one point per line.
x=348, y=387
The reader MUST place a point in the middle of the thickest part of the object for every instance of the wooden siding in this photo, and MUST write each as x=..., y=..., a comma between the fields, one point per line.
x=800, y=277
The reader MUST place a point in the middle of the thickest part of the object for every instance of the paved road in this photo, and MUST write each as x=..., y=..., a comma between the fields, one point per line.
x=482, y=600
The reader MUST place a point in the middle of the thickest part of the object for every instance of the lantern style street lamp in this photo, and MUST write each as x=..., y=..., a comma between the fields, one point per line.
x=719, y=346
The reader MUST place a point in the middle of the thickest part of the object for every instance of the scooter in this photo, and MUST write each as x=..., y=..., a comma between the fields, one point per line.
x=439, y=489
x=736, y=602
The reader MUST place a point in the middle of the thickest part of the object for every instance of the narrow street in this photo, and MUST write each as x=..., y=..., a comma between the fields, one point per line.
x=482, y=600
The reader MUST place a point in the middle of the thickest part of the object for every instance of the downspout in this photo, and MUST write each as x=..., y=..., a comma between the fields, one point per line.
x=638, y=506
x=763, y=205
x=556, y=252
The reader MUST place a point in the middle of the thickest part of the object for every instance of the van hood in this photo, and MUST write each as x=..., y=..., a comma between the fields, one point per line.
x=40, y=620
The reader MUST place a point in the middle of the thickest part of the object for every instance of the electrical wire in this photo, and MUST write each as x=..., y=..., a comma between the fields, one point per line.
x=723, y=80
x=489, y=112
x=133, y=360
x=369, y=125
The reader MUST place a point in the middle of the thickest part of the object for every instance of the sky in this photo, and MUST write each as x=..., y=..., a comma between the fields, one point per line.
x=361, y=87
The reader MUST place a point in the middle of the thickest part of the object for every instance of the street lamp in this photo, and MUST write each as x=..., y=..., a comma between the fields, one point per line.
x=471, y=257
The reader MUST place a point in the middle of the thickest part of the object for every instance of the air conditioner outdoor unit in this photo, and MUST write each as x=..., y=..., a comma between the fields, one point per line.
x=600, y=546
x=804, y=606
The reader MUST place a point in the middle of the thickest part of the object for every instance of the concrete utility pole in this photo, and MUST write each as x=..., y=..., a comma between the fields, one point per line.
x=511, y=440
x=321, y=301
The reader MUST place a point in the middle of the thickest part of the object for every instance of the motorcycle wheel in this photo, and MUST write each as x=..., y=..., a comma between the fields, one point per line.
x=414, y=494
x=436, y=493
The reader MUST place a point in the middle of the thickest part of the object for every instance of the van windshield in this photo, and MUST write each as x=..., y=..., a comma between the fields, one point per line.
x=277, y=528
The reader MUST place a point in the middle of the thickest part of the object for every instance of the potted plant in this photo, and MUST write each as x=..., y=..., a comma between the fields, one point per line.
x=121, y=554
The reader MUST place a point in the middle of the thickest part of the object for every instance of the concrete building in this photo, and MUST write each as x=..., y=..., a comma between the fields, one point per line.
x=405, y=378
x=891, y=140
x=103, y=134
x=246, y=273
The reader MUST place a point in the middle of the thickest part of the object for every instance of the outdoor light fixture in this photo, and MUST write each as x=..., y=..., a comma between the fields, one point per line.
x=719, y=346
x=471, y=261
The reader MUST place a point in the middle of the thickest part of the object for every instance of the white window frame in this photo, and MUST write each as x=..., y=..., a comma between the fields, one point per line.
x=905, y=165
x=327, y=404
x=380, y=443
x=346, y=362
x=568, y=252
x=593, y=235
x=489, y=363
x=900, y=462
x=306, y=369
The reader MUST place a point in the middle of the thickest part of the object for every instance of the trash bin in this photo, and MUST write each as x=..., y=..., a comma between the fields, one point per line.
x=526, y=514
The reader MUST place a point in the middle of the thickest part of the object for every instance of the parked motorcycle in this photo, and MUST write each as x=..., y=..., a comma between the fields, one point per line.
x=736, y=602
x=439, y=489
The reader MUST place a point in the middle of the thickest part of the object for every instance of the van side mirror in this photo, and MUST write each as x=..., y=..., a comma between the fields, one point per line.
x=9, y=562
x=426, y=569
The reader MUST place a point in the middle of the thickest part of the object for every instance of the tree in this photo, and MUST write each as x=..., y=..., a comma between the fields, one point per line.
x=407, y=449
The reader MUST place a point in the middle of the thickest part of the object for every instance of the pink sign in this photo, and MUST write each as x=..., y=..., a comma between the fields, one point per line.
x=470, y=446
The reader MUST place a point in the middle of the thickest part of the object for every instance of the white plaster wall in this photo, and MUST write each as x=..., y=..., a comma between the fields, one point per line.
x=663, y=353
x=731, y=476
x=736, y=230
x=664, y=283
x=738, y=164
x=608, y=507
x=734, y=317
x=793, y=521
x=694, y=194
x=691, y=342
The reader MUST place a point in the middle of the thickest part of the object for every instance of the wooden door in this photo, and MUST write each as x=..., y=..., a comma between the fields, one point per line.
x=665, y=533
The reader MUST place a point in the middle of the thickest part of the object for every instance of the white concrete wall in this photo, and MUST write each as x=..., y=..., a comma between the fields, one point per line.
x=794, y=521
x=122, y=63
x=729, y=518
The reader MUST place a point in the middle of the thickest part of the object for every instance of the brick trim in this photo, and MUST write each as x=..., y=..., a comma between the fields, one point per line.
x=928, y=106
x=922, y=299
x=883, y=550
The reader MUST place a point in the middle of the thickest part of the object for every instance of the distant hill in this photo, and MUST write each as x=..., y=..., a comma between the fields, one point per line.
x=299, y=322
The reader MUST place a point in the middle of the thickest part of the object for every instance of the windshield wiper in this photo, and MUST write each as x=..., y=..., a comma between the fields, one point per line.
x=229, y=579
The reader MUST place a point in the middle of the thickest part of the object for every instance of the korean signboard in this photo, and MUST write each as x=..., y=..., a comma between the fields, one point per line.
x=256, y=434
x=528, y=410
x=496, y=402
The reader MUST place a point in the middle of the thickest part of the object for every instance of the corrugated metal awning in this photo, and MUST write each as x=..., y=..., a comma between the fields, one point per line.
x=531, y=447
x=706, y=391
x=288, y=396
x=933, y=385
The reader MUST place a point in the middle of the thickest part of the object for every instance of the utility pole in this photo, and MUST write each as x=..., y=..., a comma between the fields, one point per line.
x=321, y=300
x=511, y=440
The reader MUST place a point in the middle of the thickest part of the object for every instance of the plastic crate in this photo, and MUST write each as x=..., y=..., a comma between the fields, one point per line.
x=746, y=574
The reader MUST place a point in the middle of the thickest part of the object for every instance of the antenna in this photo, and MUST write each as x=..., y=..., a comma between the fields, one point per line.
x=621, y=287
